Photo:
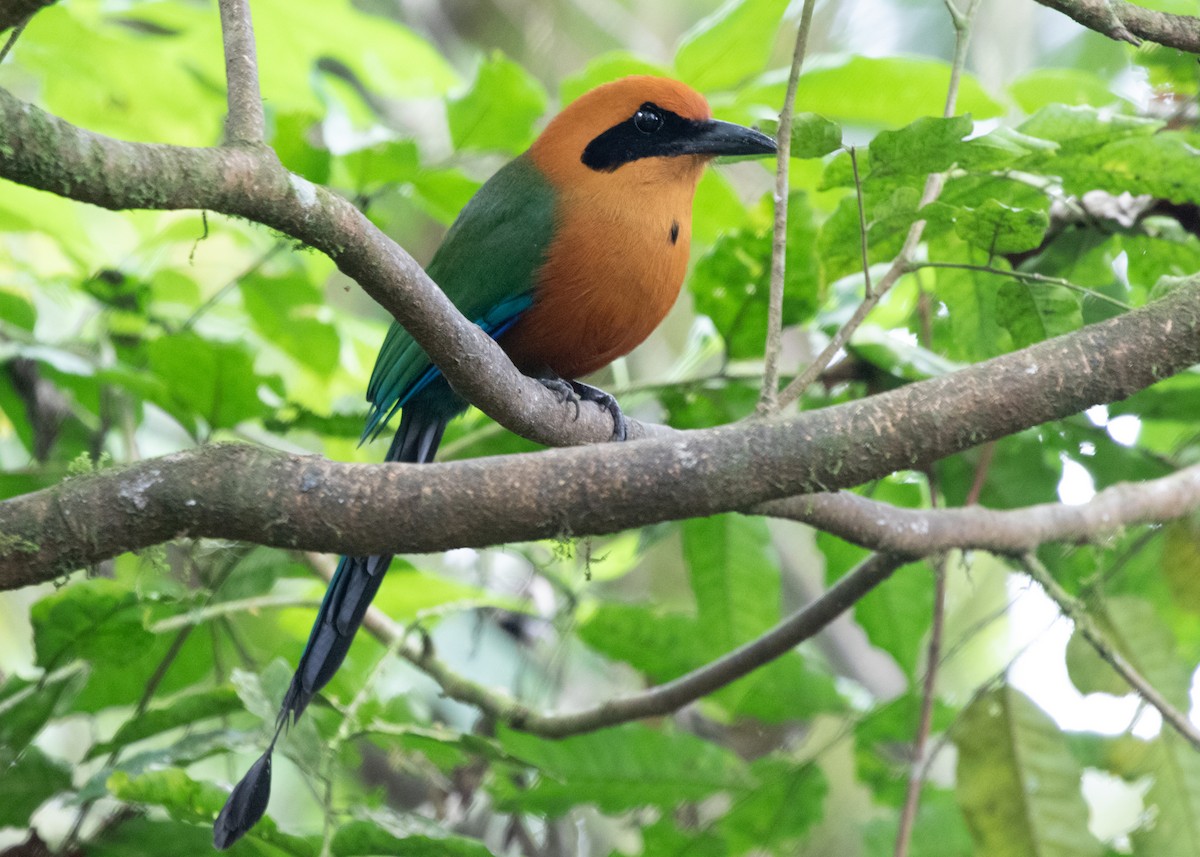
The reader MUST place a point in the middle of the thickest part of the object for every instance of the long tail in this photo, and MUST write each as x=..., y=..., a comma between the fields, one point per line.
x=350, y=592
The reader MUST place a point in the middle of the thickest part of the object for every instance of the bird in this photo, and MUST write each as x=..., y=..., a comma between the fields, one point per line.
x=568, y=256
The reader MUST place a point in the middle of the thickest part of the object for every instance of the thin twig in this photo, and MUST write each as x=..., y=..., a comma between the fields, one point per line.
x=657, y=701
x=774, y=346
x=217, y=296
x=12, y=39
x=916, y=778
x=986, y=454
x=1075, y=611
x=902, y=263
x=244, y=122
x=1025, y=277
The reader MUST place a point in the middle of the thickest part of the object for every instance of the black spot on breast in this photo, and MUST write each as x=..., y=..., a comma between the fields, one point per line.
x=674, y=231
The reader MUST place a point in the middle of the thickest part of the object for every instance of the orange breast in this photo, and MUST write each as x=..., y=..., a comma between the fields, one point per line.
x=611, y=275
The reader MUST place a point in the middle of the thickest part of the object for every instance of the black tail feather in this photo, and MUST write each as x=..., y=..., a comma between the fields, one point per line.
x=350, y=592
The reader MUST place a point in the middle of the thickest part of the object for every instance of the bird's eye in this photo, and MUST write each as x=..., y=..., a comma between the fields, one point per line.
x=648, y=119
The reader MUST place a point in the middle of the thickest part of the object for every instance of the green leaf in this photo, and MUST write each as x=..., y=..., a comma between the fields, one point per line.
x=186, y=799
x=215, y=380
x=814, y=136
x=1173, y=802
x=939, y=829
x=734, y=578
x=185, y=710
x=1018, y=784
x=288, y=310
x=144, y=837
x=888, y=92
x=731, y=284
x=876, y=738
x=499, y=109
x=1032, y=312
x=928, y=145
x=1084, y=128
x=972, y=326
x=98, y=620
x=896, y=354
x=131, y=82
x=16, y=308
x=1045, y=86
x=189, y=800
x=1001, y=229
x=736, y=583
x=662, y=644
x=729, y=45
x=291, y=142
x=28, y=782
x=618, y=769
x=665, y=839
x=27, y=706
x=604, y=68
x=1181, y=561
x=1134, y=627
x=366, y=838
x=776, y=813
x=366, y=169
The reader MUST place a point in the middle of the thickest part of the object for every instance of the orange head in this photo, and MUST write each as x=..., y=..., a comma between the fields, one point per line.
x=624, y=160
x=638, y=130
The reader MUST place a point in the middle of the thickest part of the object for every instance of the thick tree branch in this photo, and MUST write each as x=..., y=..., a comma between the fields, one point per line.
x=244, y=119
x=1131, y=23
x=311, y=503
x=917, y=532
x=42, y=151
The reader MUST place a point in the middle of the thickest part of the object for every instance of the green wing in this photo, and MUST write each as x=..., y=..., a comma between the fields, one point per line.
x=486, y=265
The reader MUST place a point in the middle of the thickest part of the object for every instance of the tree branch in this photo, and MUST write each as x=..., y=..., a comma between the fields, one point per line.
x=315, y=504
x=44, y=152
x=657, y=701
x=1071, y=607
x=1128, y=22
x=774, y=345
x=244, y=120
x=915, y=532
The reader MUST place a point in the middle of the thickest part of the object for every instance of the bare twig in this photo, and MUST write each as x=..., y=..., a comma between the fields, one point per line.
x=12, y=39
x=774, y=345
x=244, y=122
x=1025, y=277
x=1076, y=612
x=914, y=532
x=900, y=265
x=664, y=698
x=933, y=658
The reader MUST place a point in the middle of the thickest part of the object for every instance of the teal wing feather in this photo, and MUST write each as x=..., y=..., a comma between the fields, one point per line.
x=486, y=265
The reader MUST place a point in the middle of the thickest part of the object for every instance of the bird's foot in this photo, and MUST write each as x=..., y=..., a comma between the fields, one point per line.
x=576, y=392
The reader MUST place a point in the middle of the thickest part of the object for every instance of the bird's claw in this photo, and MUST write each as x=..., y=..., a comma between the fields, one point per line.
x=576, y=391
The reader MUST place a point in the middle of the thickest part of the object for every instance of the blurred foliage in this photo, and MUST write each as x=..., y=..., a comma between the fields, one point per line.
x=151, y=684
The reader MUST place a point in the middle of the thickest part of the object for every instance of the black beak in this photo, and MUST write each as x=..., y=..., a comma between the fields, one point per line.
x=714, y=137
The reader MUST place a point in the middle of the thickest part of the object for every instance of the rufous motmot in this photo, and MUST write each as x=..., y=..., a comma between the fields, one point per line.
x=569, y=256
